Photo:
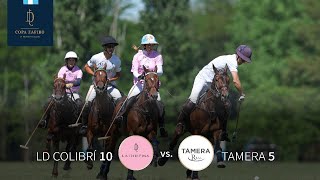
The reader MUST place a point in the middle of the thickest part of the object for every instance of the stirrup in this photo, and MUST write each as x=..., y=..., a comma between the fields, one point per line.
x=119, y=119
x=43, y=124
x=180, y=128
x=163, y=132
x=83, y=130
x=224, y=137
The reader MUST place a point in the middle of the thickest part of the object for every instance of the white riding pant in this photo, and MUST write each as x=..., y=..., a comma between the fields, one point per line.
x=136, y=89
x=75, y=96
x=114, y=92
x=199, y=86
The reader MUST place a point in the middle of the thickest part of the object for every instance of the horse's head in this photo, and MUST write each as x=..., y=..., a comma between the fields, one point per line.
x=59, y=88
x=220, y=83
x=151, y=82
x=100, y=78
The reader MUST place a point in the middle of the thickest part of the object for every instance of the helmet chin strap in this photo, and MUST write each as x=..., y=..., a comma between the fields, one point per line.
x=70, y=68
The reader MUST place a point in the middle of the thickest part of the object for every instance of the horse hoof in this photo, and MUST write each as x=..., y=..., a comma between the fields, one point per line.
x=155, y=163
x=54, y=175
x=131, y=178
x=101, y=177
x=89, y=165
x=162, y=161
x=46, y=150
x=221, y=165
x=189, y=178
x=66, y=168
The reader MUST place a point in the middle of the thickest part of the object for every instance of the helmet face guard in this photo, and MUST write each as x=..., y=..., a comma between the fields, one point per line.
x=148, y=39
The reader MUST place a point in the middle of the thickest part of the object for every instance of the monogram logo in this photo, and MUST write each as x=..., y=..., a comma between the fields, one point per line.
x=136, y=147
x=30, y=17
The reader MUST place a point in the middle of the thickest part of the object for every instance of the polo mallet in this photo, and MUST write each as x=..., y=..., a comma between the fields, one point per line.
x=235, y=133
x=105, y=136
x=77, y=124
x=25, y=146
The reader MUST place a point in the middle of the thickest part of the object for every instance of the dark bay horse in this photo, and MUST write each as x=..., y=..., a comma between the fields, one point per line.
x=208, y=117
x=63, y=112
x=142, y=119
x=101, y=111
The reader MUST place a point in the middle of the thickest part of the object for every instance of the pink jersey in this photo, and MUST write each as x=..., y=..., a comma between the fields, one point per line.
x=71, y=76
x=150, y=61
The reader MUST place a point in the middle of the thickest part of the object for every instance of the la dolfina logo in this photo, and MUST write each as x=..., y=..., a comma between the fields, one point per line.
x=135, y=152
x=196, y=153
x=30, y=22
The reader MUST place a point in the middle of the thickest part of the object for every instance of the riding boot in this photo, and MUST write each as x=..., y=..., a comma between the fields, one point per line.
x=44, y=121
x=79, y=104
x=163, y=132
x=85, y=116
x=224, y=133
x=125, y=109
x=184, y=115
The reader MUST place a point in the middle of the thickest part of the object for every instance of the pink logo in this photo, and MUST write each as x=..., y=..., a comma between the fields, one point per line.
x=135, y=152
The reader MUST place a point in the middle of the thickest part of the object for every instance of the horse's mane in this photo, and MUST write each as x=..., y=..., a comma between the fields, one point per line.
x=58, y=79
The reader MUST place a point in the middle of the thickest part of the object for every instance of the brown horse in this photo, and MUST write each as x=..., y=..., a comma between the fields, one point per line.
x=101, y=110
x=63, y=112
x=142, y=119
x=208, y=117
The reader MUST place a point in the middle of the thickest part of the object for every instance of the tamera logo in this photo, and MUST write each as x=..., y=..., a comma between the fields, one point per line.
x=135, y=153
x=195, y=153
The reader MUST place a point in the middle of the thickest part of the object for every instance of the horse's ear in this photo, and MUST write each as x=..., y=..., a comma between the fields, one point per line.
x=105, y=67
x=55, y=76
x=94, y=67
x=145, y=69
x=156, y=69
x=64, y=76
x=214, y=69
x=226, y=69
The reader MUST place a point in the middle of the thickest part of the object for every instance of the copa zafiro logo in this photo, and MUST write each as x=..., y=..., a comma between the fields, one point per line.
x=196, y=153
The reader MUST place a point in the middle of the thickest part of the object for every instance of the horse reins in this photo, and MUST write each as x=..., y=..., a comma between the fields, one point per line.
x=134, y=85
x=234, y=135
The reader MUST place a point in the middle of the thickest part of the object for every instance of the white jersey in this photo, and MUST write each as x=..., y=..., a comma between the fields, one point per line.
x=207, y=73
x=113, y=64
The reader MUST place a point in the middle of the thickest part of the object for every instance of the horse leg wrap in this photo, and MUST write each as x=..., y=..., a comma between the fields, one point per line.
x=195, y=175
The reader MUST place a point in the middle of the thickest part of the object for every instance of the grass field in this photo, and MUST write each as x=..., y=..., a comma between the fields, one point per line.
x=173, y=170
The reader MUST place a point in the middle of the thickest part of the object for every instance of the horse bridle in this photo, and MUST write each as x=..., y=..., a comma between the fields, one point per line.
x=157, y=88
x=63, y=93
x=95, y=85
x=218, y=93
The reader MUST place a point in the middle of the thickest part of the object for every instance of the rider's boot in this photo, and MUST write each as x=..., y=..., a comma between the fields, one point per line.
x=163, y=132
x=125, y=109
x=85, y=116
x=184, y=115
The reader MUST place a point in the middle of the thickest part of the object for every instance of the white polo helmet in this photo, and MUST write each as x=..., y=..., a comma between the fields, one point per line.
x=71, y=54
x=148, y=39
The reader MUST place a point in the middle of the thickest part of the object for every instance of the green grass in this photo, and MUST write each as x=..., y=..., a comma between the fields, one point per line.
x=173, y=170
